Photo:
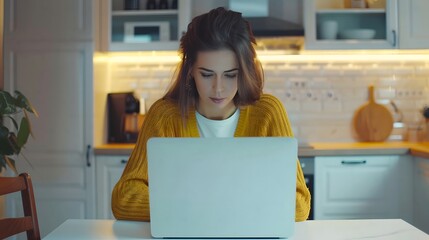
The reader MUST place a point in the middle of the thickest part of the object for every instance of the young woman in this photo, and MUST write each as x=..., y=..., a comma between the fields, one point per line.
x=217, y=93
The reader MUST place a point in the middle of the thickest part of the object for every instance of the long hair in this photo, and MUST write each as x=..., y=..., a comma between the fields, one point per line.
x=216, y=30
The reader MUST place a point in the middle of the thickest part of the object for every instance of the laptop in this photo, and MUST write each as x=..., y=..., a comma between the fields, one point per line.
x=222, y=187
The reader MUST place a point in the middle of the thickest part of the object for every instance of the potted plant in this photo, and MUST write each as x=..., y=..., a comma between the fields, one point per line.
x=13, y=138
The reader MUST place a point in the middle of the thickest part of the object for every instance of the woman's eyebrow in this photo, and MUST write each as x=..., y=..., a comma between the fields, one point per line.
x=205, y=69
x=231, y=70
x=209, y=70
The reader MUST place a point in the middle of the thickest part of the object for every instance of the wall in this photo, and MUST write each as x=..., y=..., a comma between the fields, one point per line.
x=319, y=91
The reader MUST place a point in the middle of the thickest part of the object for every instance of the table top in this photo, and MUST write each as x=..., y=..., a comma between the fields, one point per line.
x=385, y=229
x=419, y=149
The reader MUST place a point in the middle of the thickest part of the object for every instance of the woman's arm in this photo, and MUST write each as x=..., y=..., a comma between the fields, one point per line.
x=130, y=196
x=280, y=126
x=303, y=197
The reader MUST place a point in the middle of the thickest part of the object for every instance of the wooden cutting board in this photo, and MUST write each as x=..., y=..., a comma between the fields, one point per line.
x=372, y=122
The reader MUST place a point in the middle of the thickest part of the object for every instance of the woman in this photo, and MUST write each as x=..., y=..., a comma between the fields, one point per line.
x=217, y=93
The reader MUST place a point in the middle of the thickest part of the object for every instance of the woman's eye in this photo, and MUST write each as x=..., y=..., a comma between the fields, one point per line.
x=206, y=75
x=231, y=75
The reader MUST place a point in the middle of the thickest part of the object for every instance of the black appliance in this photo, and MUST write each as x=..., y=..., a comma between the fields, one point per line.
x=120, y=107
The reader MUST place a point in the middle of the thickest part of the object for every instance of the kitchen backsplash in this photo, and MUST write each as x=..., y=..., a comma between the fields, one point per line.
x=319, y=92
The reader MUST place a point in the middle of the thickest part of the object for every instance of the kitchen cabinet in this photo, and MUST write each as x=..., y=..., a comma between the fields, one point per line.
x=413, y=19
x=357, y=187
x=421, y=193
x=108, y=169
x=399, y=25
x=382, y=20
x=269, y=18
x=48, y=57
x=142, y=29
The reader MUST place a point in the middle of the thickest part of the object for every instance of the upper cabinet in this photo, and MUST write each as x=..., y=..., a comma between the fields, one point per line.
x=366, y=24
x=141, y=25
x=350, y=24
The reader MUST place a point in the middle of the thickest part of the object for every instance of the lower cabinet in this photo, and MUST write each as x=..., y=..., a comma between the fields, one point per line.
x=421, y=193
x=362, y=187
x=345, y=187
x=108, y=171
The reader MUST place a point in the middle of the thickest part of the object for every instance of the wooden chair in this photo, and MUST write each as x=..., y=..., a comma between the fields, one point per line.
x=28, y=223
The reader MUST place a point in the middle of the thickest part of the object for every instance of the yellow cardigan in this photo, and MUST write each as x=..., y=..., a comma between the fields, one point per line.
x=267, y=117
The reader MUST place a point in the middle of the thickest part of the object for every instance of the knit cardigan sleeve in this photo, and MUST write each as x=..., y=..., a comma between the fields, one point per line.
x=278, y=125
x=130, y=196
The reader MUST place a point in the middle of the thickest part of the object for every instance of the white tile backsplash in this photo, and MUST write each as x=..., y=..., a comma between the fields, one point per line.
x=320, y=96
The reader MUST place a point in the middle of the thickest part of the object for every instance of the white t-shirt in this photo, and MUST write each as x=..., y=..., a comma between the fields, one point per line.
x=217, y=128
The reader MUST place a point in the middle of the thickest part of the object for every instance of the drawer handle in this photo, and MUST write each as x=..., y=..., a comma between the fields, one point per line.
x=353, y=162
x=123, y=161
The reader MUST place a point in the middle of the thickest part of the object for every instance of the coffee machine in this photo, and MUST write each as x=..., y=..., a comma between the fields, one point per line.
x=124, y=120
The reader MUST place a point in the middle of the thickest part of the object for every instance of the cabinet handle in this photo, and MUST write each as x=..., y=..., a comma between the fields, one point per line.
x=88, y=150
x=394, y=38
x=353, y=162
x=123, y=161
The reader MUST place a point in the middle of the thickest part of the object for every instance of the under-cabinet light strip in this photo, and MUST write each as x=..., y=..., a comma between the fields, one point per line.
x=314, y=56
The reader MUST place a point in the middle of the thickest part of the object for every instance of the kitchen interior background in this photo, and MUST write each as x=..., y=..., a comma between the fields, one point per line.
x=320, y=90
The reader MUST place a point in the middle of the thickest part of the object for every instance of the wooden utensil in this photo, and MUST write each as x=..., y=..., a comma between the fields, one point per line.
x=372, y=122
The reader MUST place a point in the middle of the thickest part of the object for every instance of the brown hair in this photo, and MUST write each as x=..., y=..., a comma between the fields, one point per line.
x=216, y=30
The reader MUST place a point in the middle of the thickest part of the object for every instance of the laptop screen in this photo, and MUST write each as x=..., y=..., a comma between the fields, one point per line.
x=222, y=187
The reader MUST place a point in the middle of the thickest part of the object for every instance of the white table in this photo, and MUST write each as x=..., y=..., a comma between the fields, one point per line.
x=386, y=229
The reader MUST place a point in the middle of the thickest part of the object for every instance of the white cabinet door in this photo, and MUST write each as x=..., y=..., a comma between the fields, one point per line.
x=108, y=171
x=48, y=56
x=352, y=187
x=413, y=20
x=421, y=193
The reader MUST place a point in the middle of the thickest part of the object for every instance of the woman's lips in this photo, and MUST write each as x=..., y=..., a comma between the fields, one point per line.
x=217, y=100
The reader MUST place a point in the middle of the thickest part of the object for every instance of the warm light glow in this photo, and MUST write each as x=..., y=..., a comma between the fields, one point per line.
x=351, y=55
x=138, y=57
x=276, y=56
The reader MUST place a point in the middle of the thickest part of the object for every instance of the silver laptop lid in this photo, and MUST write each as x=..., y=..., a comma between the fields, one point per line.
x=222, y=187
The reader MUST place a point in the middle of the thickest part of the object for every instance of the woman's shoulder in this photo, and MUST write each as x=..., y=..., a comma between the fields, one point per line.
x=269, y=104
x=164, y=107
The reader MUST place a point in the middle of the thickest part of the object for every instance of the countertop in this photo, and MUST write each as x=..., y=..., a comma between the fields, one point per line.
x=419, y=149
x=386, y=229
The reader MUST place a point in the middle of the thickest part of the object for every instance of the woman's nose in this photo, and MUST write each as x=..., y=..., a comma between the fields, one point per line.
x=218, y=85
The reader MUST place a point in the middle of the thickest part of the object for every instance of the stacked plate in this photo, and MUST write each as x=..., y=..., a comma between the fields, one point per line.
x=359, y=33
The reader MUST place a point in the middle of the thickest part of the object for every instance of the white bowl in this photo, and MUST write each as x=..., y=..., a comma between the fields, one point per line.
x=360, y=33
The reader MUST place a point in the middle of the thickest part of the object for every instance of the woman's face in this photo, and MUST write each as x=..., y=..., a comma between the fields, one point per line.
x=215, y=74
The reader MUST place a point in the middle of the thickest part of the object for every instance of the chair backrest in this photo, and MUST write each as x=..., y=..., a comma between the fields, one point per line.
x=28, y=223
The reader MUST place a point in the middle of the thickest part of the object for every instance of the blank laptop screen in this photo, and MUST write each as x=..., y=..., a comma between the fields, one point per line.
x=222, y=187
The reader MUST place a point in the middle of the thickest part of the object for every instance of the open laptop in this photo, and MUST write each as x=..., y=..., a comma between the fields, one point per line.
x=222, y=187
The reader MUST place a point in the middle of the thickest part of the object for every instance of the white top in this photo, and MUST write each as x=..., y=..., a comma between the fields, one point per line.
x=217, y=128
x=381, y=229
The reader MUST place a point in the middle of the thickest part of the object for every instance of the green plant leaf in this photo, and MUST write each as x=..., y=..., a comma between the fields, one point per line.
x=7, y=103
x=5, y=146
x=11, y=164
x=29, y=123
x=14, y=122
x=22, y=102
x=13, y=141
x=24, y=132
x=4, y=132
